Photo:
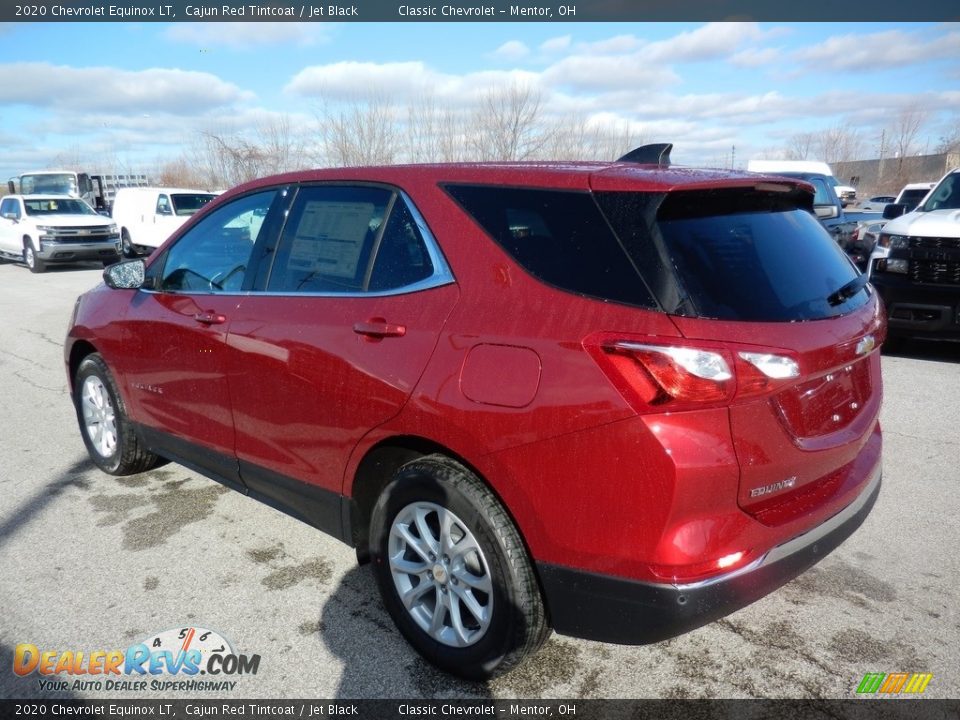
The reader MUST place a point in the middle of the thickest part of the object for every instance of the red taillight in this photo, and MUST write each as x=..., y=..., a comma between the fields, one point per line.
x=677, y=374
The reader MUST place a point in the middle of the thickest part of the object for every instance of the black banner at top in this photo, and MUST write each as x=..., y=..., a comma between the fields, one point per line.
x=474, y=10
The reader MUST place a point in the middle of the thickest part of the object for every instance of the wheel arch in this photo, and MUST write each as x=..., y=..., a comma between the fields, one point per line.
x=378, y=467
x=80, y=350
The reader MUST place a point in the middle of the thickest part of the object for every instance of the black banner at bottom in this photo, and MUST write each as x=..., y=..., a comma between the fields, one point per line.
x=854, y=709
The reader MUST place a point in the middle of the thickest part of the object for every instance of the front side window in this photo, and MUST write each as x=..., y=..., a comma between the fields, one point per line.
x=9, y=206
x=946, y=196
x=347, y=240
x=163, y=205
x=213, y=255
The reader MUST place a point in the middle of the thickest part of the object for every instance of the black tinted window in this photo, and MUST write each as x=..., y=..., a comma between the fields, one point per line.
x=559, y=237
x=763, y=266
x=401, y=256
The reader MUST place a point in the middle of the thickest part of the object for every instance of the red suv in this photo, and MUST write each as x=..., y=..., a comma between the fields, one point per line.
x=616, y=400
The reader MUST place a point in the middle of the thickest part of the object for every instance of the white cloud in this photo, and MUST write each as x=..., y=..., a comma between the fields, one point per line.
x=603, y=72
x=399, y=82
x=105, y=89
x=557, y=44
x=511, y=50
x=711, y=41
x=756, y=57
x=248, y=35
x=892, y=48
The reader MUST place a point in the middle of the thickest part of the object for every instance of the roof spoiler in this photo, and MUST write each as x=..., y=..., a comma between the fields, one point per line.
x=654, y=154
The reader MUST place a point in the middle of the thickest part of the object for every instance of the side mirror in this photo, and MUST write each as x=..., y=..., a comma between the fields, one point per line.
x=165, y=211
x=894, y=210
x=826, y=212
x=128, y=275
x=10, y=216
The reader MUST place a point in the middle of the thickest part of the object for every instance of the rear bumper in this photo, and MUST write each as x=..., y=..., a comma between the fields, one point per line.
x=617, y=610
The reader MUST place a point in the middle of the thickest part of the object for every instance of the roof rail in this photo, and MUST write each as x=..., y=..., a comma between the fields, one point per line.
x=653, y=154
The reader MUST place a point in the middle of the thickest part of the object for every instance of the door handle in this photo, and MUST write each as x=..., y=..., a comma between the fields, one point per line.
x=210, y=318
x=379, y=328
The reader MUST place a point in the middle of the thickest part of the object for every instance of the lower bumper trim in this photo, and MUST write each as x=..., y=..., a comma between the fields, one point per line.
x=629, y=612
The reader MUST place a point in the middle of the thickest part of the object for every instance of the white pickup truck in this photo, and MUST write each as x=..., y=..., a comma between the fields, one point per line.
x=916, y=264
x=44, y=229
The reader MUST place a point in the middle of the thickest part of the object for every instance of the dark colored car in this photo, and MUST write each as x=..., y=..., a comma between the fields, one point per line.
x=616, y=400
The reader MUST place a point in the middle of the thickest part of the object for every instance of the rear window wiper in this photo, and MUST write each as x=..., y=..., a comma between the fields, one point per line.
x=849, y=290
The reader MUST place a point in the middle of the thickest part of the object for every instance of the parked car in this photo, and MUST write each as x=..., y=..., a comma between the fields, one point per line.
x=877, y=203
x=147, y=216
x=42, y=230
x=916, y=264
x=615, y=400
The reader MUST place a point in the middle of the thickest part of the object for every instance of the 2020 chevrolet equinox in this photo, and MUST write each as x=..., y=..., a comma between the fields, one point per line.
x=615, y=400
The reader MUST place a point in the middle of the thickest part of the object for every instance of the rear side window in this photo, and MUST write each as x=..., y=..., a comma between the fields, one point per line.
x=559, y=237
x=747, y=255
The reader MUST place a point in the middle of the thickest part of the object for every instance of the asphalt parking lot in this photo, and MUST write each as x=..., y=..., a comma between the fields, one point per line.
x=91, y=562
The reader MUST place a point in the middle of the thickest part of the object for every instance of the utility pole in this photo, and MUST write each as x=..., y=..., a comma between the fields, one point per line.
x=733, y=156
x=883, y=143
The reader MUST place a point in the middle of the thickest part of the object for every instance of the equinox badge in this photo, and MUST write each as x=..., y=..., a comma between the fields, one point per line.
x=774, y=487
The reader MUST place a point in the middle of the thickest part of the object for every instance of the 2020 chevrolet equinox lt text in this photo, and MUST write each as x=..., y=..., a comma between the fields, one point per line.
x=615, y=400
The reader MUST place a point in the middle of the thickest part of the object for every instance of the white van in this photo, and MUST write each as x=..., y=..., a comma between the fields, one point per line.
x=148, y=216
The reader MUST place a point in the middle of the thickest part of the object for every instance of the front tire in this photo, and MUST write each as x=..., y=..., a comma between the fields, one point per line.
x=107, y=431
x=30, y=258
x=126, y=246
x=453, y=571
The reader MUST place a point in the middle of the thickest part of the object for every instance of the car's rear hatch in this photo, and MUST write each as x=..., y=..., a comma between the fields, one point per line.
x=748, y=272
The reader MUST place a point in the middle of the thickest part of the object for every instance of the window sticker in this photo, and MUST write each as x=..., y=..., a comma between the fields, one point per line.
x=329, y=238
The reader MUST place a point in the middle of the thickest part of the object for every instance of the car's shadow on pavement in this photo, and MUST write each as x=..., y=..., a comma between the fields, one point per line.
x=377, y=661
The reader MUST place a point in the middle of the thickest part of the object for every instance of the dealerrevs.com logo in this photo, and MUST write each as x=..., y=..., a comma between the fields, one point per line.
x=172, y=660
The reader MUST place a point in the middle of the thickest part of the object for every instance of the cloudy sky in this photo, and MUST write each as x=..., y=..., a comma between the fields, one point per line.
x=139, y=94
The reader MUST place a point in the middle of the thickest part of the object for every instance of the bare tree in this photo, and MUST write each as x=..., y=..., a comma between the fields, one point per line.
x=365, y=132
x=840, y=143
x=508, y=124
x=180, y=172
x=905, y=129
x=950, y=140
x=800, y=146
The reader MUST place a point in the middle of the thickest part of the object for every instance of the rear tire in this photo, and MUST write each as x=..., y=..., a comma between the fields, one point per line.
x=30, y=258
x=106, y=430
x=453, y=571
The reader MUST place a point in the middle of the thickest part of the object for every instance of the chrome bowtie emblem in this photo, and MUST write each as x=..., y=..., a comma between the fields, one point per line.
x=866, y=344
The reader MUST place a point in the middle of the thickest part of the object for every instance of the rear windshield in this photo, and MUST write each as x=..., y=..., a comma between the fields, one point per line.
x=742, y=255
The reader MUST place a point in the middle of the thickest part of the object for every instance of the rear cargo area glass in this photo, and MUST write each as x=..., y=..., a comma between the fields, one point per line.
x=740, y=254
